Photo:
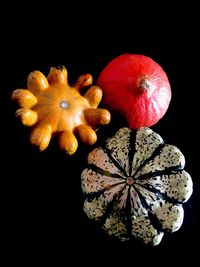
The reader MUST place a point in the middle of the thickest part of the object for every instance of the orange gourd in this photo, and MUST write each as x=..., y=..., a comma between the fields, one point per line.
x=52, y=105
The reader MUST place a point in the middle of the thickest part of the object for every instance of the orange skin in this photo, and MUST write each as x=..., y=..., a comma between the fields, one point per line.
x=52, y=105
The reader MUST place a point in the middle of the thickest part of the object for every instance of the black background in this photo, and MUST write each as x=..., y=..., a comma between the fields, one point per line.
x=41, y=195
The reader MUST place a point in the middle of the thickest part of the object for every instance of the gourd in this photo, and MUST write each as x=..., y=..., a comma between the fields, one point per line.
x=53, y=106
x=137, y=87
x=135, y=184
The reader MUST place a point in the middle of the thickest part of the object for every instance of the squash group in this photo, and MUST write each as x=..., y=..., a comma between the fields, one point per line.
x=51, y=105
x=135, y=185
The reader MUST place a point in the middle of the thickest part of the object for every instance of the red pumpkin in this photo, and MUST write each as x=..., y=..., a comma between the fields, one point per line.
x=137, y=87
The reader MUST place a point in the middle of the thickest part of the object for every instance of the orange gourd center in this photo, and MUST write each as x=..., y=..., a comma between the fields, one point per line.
x=61, y=107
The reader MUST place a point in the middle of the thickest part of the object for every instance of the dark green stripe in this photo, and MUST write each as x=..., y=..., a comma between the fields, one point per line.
x=116, y=163
x=128, y=214
x=167, y=171
x=93, y=195
x=160, y=195
x=153, y=155
x=97, y=194
x=131, y=150
x=112, y=204
x=99, y=170
x=152, y=217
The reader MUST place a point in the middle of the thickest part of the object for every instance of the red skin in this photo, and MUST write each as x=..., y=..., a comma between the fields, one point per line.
x=137, y=87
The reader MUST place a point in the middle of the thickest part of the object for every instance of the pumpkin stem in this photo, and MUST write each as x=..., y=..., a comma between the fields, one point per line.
x=129, y=180
x=145, y=84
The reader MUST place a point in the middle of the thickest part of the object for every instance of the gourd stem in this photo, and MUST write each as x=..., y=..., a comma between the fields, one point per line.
x=144, y=83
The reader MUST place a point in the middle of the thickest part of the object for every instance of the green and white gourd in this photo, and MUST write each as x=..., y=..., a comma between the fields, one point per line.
x=135, y=186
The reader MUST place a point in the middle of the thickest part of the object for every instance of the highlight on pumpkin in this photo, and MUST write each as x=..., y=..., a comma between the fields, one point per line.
x=51, y=105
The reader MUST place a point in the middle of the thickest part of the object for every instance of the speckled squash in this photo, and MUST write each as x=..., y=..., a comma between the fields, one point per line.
x=135, y=186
